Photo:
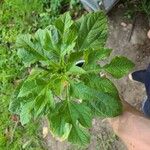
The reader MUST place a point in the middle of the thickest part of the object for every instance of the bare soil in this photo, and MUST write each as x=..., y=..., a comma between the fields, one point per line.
x=138, y=50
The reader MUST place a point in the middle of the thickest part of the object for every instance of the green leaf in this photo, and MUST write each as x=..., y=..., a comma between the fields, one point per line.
x=43, y=46
x=24, y=42
x=70, y=35
x=79, y=135
x=83, y=112
x=76, y=117
x=63, y=23
x=28, y=58
x=81, y=91
x=44, y=99
x=119, y=66
x=75, y=57
x=25, y=115
x=35, y=91
x=97, y=55
x=68, y=32
x=69, y=95
x=28, y=87
x=68, y=40
x=92, y=57
x=48, y=40
x=105, y=105
x=33, y=84
x=75, y=70
x=59, y=123
x=101, y=84
x=15, y=103
x=37, y=103
x=92, y=31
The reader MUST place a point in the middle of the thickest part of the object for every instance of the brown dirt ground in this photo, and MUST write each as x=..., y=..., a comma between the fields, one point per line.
x=138, y=50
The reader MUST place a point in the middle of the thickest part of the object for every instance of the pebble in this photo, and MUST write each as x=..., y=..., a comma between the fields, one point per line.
x=123, y=24
x=45, y=132
x=148, y=34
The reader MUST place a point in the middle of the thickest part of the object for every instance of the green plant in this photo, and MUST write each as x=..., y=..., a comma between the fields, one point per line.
x=58, y=5
x=133, y=7
x=54, y=8
x=70, y=96
x=144, y=6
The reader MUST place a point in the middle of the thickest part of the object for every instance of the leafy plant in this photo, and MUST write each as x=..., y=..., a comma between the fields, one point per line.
x=69, y=95
x=134, y=7
x=144, y=6
x=57, y=5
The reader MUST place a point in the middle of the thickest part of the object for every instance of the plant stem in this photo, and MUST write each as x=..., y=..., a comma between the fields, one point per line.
x=13, y=132
x=67, y=93
x=58, y=97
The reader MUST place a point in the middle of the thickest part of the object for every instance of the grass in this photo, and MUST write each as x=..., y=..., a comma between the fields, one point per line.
x=137, y=6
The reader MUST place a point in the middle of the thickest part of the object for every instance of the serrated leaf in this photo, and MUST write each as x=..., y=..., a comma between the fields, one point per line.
x=75, y=56
x=15, y=103
x=75, y=70
x=58, y=85
x=31, y=84
x=101, y=84
x=97, y=55
x=92, y=31
x=43, y=46
x=70, y=35
x=81, y=91
x=44, y=99
x=119, y=66
x=68, y=32
x=83, y=112
x=24, y=42
x=28, y=58
x=63, y=22
x=75, y=115
x=25, y=114
x=79, y=135
x=92, y=57
x=28, y=87
x=48, y=40
x=104, y=104
x=33, y=90
x=37, y=103
x=58, y=124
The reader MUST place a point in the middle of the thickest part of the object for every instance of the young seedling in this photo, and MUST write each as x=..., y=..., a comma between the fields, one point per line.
x=69, y=94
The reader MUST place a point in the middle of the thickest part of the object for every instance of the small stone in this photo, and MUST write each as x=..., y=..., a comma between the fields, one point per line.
x=45, y=132
x=123, y=24
x=130, y=77
x=102, y=74
x=148, y=34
